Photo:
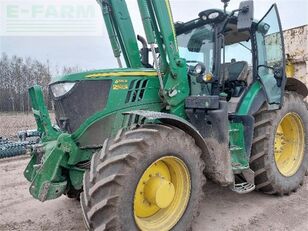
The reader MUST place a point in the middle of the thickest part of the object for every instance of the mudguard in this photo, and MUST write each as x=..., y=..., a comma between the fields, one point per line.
x=297, y=86
x=217, y=165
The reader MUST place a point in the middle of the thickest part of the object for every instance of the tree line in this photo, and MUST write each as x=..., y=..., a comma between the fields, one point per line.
x=17, y=75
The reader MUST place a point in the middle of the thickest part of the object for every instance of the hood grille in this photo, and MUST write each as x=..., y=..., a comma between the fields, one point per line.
x=85, y=99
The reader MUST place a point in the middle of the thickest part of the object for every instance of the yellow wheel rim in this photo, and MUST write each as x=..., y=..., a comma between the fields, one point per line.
x=289, y=144
x=162, y=194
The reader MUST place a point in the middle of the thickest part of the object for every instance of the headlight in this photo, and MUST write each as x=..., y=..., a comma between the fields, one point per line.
x=60, y=89
x=199, y=68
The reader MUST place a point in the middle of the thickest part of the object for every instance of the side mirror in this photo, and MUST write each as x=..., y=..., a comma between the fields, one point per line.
x=278, y=74
x=245, y=15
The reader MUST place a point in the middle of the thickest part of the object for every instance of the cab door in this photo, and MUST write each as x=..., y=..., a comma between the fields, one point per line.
x=271, y=57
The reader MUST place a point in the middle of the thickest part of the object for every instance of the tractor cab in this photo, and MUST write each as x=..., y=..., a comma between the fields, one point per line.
x=225, y=53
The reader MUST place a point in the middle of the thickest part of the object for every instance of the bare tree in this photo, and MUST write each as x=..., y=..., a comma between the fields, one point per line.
x=17, y=75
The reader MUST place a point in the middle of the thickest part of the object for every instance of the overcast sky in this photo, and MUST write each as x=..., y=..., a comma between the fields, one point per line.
x=47, y=29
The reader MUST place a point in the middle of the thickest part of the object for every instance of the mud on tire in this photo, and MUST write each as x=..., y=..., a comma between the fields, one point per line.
x=268, y=178
x=110, y=184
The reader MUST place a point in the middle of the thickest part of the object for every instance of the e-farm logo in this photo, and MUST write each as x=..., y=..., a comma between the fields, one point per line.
x=51, y=18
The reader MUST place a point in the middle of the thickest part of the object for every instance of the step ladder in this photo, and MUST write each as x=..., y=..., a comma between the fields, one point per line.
x=243, y=188
x=247, y=185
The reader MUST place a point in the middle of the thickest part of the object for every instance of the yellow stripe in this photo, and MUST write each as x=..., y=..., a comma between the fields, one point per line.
x=171, y=21
x=119, y=74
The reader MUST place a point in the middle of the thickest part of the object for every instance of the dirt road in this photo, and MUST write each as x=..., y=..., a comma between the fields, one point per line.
x=221, y=209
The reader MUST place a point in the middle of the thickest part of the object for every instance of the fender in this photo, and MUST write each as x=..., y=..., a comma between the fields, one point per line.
x=216, y=170
x=297, y=86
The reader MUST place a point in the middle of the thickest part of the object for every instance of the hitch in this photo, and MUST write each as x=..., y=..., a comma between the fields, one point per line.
x=49, y=160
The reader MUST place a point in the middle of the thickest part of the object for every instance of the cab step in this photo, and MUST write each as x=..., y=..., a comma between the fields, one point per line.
x=244, y=182
x=242, y=188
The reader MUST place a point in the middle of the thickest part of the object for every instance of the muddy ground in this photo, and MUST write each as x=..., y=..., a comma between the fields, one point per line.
x=222, y=209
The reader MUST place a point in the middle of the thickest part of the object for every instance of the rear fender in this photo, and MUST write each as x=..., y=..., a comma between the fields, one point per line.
x=213, y=168
x=297, y=86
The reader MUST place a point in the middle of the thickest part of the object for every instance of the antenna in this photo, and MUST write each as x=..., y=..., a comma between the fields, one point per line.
x=226, y=3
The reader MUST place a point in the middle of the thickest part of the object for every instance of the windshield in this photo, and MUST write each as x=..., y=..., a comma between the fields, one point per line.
x=197, y=45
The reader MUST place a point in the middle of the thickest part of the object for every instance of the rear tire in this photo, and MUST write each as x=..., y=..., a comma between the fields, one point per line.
x=110, y=185
x=274, y=175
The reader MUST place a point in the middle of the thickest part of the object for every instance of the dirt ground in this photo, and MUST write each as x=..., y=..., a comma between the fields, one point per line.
x=11, y=123
x=221, y=209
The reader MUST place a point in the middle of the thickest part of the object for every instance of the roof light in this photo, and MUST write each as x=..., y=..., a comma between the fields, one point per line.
x=213, y=15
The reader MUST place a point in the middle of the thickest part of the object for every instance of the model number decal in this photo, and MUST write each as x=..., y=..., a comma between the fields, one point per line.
x=120, y=84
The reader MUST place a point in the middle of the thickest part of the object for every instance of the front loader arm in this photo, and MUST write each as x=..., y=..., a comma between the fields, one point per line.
x=121, y=31
x=159, y=28
x=40, y=111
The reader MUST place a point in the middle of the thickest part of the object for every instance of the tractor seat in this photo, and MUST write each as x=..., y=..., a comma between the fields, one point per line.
x=236, y=78
x=238, y=71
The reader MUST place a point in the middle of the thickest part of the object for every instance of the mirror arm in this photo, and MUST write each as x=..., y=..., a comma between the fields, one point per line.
x=228, y=19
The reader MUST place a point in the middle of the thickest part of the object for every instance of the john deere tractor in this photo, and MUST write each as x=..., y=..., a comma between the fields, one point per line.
x=207, y=98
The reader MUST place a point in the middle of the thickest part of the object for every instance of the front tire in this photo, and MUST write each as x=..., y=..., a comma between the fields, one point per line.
x=150, y=178
x=279, y=152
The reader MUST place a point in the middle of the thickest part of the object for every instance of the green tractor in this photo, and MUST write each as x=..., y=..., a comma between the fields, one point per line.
x=136, y=144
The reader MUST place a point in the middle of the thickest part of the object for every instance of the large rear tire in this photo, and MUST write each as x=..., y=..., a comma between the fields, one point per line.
x=149, y=178
x=279, y=152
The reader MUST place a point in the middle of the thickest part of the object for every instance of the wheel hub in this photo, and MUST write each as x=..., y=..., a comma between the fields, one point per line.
x=151, y=181
x=159, y=191
x=162, y=194
x=289, y=144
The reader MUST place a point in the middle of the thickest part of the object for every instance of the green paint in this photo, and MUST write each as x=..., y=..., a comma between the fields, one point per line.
x=76, y=178
x=249, y=98
x=87, y=74
x=48, y=180
x=237, y=147
x=41, y=115
x=46, y=174
x=56, y=172
x=147, y=21
x=238, y=150
x=119, y=22
x=110, y=29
